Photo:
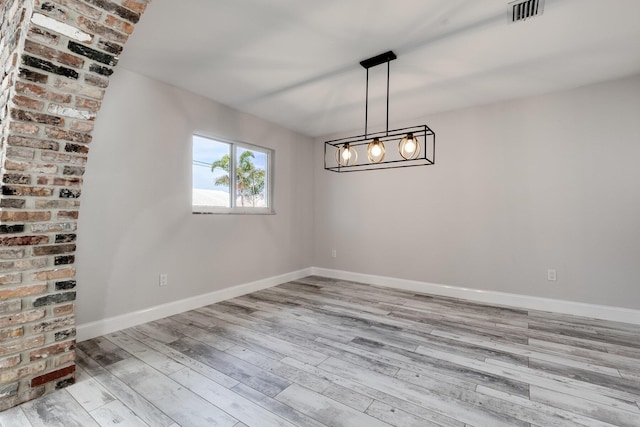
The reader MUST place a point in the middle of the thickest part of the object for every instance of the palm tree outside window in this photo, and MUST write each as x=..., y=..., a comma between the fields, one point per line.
x=215, y=189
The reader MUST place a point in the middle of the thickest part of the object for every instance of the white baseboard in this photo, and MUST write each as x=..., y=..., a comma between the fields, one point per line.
x=595, y=311
x=112, y=324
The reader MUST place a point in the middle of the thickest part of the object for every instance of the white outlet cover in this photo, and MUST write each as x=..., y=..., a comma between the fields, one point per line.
x=163, y=280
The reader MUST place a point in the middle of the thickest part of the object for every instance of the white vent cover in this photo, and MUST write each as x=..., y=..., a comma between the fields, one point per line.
x=521, y=10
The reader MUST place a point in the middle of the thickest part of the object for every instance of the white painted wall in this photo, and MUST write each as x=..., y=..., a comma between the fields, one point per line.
x=518, y=187
x=136, y=221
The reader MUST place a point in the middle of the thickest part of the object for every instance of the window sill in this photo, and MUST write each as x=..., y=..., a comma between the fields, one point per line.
x=214, y=210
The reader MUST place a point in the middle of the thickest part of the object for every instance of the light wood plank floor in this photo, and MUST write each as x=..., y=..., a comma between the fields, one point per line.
x=320, y=352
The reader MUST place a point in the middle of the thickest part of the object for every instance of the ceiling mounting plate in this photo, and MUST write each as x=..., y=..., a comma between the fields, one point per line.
x=378, y=59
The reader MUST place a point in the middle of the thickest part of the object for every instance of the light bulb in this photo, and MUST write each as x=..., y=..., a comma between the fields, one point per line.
x=375, y=151
x=409, y=147
x=346, y=155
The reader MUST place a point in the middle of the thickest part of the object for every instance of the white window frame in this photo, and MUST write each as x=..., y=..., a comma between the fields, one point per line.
x=269, y=180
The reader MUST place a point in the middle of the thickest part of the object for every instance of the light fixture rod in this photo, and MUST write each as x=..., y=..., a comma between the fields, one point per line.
x=372, y=62
x=366, y=107
x=388, y=68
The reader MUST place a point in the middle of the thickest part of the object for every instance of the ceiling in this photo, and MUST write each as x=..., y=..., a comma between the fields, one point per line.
x=296, y=62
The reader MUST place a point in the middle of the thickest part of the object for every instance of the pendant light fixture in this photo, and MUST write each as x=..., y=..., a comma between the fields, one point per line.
x=416, y=144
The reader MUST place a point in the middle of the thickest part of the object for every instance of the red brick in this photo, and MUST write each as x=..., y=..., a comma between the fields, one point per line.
x=136, y=6
x=16, y=178
x=30, y=394
x=20, y=153
x=41, y=35
x=54, y=324
x=12, y=203
x=97, y=81
x=82, y=7
x=43, y=379
x=14, y=216
x=11, y=253
x=48, y=156
x=11, y=306
x=30, y=89
x=118, y=24
x=106, y=32
x=45, y=352
x=55, y=274
x=54, y=180
x=42, y=92
x=62, y=310
x=23, y=240
x=64, y=359
x=24, y=128
x=88, y=104
x=110, y=47
x=11, y=333
x=10, y=279
x=26, y=190
x=29, y=167
x=53, y=249
x=76, y=148
x=53, y=54
x=22, y=291
x=30, y=116
x=21, y=345
x=22, y=317
x=10, y=362
x=68, y=135
x=22, y=371
x=79, y=88
x=81, y=126
x=25, y=102
x=23, y=264
x=67, y=215
x=26, y=141
x=55, y=12
x=58, y=204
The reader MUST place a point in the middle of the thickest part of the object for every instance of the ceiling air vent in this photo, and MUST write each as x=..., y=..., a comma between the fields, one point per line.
x=521, y=10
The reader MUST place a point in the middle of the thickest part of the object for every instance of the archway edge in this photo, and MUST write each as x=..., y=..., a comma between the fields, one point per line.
x=56, y=58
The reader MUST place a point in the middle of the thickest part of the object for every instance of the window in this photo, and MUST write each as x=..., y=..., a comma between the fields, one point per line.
x=215, y=190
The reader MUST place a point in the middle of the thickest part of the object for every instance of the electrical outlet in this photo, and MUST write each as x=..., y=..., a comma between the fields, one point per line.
x=333, y=253
x=163, y=280
x=551, y=275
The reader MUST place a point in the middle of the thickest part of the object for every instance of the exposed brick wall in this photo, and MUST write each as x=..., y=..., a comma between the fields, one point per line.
x=55, y=61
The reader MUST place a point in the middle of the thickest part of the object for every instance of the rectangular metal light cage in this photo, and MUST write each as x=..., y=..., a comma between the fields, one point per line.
x=392, y=159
